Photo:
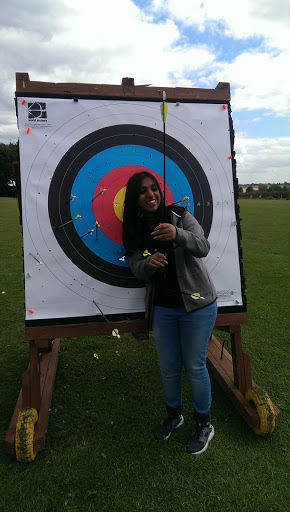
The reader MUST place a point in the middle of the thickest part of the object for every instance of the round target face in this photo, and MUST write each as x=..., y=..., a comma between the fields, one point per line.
x=87, y=191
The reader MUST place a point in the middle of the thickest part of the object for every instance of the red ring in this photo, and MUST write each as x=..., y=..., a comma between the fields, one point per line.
x=103, y=208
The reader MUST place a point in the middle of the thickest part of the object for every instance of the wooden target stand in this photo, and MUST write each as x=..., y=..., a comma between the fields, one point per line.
x=233, y=372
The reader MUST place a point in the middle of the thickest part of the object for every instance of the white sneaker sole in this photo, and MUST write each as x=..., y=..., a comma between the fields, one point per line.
x=205, y=446
x=179, y=425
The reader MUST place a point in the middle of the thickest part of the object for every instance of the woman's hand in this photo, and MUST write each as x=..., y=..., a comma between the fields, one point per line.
x=157, y=260
x=164, y=232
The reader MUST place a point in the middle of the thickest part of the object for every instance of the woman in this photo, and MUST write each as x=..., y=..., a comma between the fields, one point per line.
x=180, y=299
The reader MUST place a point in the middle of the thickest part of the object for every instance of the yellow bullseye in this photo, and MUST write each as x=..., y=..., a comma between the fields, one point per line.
x=119, y=203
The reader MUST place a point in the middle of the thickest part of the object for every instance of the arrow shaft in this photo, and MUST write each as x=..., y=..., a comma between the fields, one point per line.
x=164, y=168
x=104, y=316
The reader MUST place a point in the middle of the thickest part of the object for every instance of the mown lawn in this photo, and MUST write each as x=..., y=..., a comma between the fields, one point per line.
x=100, y=454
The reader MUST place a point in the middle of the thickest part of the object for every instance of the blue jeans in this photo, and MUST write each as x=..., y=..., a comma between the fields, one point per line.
x=182, y=338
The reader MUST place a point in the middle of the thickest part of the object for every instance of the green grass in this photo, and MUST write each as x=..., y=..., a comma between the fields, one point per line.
x=100, y=454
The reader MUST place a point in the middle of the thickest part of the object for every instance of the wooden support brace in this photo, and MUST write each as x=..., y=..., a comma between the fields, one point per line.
x=31, y=380
x=223, y=371
x=41, y=381
x=48, y=373
x=241, y=361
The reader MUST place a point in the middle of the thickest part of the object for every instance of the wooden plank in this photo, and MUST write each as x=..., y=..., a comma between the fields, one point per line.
x=47, y=376
x=26, y=388
x=224, y=319
x=225, y=362
x=9, y=443
x=84, y=329
x=218, y=347
x=44, y=345
x=35, y=393
x=100, y=328
x=238, y=359
x=222, y=369
x=235, y=395
x=48, y=384
x=278, y=414
x=127, y=89
x=247, y=370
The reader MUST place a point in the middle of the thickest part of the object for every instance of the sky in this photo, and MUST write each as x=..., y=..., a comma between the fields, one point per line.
x=166, y=43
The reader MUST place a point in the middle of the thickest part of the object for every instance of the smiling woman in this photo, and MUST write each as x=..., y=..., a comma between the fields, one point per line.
x=149, y=195
x=165, y=247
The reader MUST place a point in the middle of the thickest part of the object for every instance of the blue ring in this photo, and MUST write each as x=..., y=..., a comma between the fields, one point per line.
x=98, y=166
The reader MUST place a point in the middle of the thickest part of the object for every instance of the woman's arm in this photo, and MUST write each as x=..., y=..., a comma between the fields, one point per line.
x=140, y=266
x=191, y=236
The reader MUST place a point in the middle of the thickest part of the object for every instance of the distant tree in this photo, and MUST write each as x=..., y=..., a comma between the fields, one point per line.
x=8, y=155
x=249, y=189
x=275, y=187
x=262, y=188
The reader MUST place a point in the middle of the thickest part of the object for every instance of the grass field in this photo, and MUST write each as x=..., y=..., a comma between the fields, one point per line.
x=100, y=454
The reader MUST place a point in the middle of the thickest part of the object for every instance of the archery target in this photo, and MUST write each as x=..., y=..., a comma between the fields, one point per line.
x=75, y=165
x=92, y=180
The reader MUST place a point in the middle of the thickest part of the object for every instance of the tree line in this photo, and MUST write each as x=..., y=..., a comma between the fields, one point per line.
x=272, y=191
x=8, y=155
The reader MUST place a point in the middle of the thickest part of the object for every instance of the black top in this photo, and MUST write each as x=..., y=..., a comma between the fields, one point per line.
x=167, y=291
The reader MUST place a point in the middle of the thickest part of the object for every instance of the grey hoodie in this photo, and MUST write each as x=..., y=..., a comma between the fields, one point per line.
x=190, y=246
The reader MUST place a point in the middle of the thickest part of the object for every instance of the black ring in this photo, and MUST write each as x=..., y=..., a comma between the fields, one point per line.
x=70, y=165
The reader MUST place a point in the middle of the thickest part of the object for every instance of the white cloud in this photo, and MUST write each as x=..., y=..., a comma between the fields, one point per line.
x=37, y=17
x=260, y=81
x=91, y=42
x=101, y=42
x=262, y=159
x=239, y=19
x=258, y=78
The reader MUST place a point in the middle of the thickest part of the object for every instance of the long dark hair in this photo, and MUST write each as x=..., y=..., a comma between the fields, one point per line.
x=131, y=216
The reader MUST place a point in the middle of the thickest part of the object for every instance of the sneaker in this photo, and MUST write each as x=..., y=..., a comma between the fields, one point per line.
x=165, y=427
x=201, y=436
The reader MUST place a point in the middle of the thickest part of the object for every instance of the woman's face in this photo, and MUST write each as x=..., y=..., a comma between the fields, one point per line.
x=149, y=196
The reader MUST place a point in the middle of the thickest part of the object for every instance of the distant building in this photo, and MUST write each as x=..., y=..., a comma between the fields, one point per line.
x=254, y=187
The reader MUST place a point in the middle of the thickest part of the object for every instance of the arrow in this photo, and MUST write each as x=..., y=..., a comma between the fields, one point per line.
x=77, y=217
x=90, y=232
x=185, y=199
x=115, y=332
x=102, y=191
x=163, y=110
x=36, y=259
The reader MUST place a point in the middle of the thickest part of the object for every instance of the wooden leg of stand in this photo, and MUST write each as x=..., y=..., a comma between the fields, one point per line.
x=31, y=395
x=241, y=361
x=37, y=382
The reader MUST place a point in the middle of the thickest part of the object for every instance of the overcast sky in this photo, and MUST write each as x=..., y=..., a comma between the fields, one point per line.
x=190, y=43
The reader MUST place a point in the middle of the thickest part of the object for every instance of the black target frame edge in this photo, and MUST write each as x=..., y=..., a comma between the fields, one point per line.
x=238, y=219
x=68, y=169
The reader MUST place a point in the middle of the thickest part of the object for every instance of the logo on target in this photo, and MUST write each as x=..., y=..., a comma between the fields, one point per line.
x=37, y=110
